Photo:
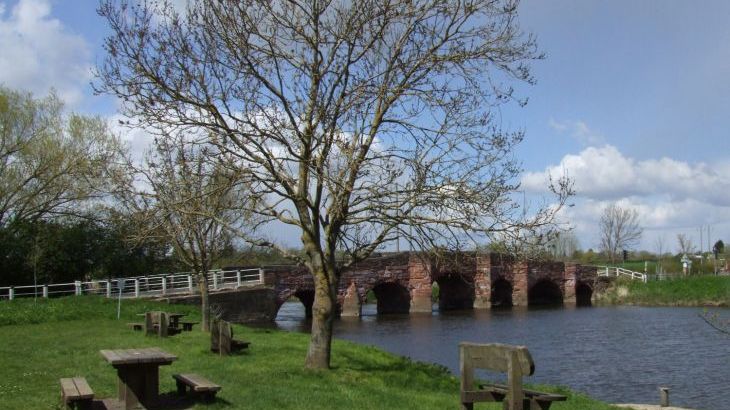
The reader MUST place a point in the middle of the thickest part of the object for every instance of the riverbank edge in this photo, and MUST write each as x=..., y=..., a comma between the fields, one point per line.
x=704, y=291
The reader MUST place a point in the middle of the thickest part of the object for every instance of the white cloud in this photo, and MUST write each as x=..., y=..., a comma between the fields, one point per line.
x=606, y=173
x=578, y=130
x=670, y=196
x=39, y=53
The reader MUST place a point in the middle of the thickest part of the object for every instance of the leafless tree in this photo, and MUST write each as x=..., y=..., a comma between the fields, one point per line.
x=360, y=122
x=660, y=248
x=685, y=244
x=619, y=229
x=181, y=196
x=51, y=163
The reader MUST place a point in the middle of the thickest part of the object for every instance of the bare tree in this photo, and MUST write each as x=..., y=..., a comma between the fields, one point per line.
x=360, y=122
x=685, y=244
x=51, y=163
x=180, y=196
x=619, y=229
x=660, y=244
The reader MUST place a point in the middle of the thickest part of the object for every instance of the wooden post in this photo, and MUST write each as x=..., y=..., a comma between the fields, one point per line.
x=11, y=293
x=45, y=291
x=108, y=288
x=163, y=323
x=215, y=336
x=149, y=323
x=190, y=283
x=215, y=280
x=238, y=278
x=77, y=284
x=164, y=285
x=261, y=275
x=514, y=382
x=136, y=288
x=663, y=396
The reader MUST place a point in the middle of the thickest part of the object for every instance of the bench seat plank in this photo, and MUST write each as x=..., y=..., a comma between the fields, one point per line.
x=83, y=388
x=196, y=382
x=502, y=389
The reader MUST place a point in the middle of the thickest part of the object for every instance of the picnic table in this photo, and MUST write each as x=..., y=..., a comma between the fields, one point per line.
x=174, y=318
x=138, y=372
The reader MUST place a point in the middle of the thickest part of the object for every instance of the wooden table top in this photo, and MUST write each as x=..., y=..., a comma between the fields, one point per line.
x=134, y=356
x=169, y=314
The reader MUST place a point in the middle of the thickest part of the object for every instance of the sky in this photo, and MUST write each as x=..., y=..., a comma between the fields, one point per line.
x=632, y=101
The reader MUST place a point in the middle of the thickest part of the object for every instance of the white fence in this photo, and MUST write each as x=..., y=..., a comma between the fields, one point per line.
x=139, y=286
x=616, y=271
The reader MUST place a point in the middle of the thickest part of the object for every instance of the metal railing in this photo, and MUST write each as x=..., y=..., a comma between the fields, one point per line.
x=139, y=286
x=616, y=271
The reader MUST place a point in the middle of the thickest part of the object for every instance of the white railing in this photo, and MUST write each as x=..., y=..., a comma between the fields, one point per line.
x=139, y=286
x=616, y=271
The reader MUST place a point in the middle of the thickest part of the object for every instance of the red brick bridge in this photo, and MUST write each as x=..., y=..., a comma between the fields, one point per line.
x=403, y=282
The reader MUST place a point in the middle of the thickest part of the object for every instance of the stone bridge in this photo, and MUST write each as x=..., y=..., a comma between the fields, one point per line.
x=404, y=283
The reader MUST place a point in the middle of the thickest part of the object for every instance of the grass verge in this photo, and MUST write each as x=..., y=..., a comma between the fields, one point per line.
x=682, y=291
x=62, y=338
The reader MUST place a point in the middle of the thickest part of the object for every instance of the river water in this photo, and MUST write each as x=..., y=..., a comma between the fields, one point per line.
x=618, y=354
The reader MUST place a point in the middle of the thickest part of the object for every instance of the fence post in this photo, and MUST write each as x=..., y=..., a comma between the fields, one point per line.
x=45, y=291
x=11, y=293
x=77, y=284
x=215, y=280
x=238, y=278
x=261, y=275
x=190, y=283
x=164, y=285
x=136, y=288
x=108, y=288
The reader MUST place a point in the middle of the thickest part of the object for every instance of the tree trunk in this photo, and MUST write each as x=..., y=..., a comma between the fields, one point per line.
x=323, y=314
x=204, y=301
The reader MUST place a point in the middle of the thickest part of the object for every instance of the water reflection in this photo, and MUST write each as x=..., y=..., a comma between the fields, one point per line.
x=616, y=354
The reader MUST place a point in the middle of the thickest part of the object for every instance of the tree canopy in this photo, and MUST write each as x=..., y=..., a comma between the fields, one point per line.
x=358, y=123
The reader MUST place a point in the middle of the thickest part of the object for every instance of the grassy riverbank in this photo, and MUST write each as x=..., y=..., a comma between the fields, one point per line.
x=40, y=343
x=681, y=291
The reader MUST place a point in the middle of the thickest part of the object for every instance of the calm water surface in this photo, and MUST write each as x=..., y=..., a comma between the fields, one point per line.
x=615, y=354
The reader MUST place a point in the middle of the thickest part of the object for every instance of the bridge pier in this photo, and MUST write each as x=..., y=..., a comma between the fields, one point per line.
x=483, y=283
x=419, y=278
x=351, y=306
x=569, y=285
x=520, y=284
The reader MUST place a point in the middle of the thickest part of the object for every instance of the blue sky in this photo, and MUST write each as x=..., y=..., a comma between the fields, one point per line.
x=633, y=101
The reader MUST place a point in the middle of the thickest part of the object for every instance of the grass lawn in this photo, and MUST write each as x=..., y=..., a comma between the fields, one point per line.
x=41, y=343
x=701, y=290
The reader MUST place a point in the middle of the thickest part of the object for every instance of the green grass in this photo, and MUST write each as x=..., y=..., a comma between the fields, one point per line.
x=681, y=291
x=37, y=351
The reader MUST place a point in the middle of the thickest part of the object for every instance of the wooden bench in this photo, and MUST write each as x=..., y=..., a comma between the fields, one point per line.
x=221, y=338
x=198, y=385
x=76, y=393
x=516, y=362
x=136, y=326
x=188, y=326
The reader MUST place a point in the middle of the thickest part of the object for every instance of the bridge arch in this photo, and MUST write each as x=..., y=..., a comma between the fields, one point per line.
x=392, y=297
x=305, y=296
x=583, y=294
x=501, y=293
x=544, y=292
x=455, y=292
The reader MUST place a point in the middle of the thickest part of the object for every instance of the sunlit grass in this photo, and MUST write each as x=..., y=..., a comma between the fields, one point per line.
x=270, y=375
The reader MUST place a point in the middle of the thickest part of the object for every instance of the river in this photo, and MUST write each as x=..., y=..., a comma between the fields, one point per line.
x=619, y=354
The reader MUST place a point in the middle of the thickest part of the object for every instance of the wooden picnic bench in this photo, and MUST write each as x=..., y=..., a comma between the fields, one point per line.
x=136, y=326
x=221, y=338
x=198, y=385
x=76, y=393
x=516, y=362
